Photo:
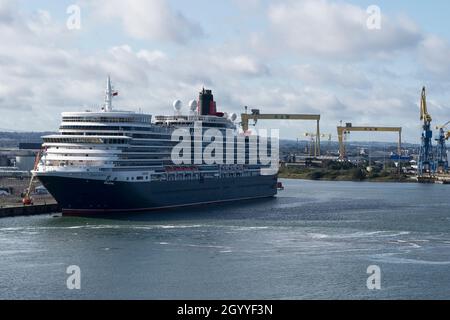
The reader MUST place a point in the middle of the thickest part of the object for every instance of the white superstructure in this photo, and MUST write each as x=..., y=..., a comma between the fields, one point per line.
x=127, y=146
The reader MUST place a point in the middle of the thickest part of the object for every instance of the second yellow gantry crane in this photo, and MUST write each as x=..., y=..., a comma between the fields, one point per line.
x=342, y=131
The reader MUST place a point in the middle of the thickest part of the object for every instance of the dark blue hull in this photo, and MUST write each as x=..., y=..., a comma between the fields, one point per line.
x=78, y=196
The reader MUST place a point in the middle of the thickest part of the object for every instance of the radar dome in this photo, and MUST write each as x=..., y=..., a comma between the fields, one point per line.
x=193, y=105
x=233, y=117
x=177, y=105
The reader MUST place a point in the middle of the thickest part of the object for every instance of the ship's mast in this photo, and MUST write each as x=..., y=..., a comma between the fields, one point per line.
x=108, y=95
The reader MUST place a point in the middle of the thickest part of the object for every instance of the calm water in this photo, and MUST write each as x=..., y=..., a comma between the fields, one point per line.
x=315, y=240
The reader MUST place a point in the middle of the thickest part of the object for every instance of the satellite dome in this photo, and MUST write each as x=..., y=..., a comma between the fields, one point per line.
x=233, y=117
x=177, y=105
x=193, y=105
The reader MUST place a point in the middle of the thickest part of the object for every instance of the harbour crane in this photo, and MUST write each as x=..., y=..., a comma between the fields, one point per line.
x=426, y=161
x=343, y=131
x=27, y=200
x=257, y=115
x=441, y=149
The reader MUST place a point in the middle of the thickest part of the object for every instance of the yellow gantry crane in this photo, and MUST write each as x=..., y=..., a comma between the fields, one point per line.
x=314, y=140
x=342, y=131
x=256, y=115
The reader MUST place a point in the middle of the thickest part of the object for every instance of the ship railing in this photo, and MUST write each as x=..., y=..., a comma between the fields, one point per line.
x=192, y=118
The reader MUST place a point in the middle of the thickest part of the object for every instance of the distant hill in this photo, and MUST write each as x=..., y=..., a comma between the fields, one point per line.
x=9, y=139
x=12, y=139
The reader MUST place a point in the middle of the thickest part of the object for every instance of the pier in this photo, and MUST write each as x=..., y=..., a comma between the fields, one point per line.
x=15, y=211
x=437, y=178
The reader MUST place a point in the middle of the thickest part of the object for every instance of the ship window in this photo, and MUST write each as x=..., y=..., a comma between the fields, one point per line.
x=140, y=178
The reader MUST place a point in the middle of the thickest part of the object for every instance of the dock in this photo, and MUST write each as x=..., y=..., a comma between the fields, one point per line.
x=437, y=178
x=15, y=211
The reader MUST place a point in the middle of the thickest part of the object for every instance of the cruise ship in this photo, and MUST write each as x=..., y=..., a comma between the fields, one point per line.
x=123, y=161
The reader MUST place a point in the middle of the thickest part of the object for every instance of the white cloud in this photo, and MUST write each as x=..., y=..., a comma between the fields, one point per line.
x=151, y=56
x=149, y=19
x=43, y=78
x=338, y=30
x=43, y=74
x=335, y=75
x=239, y=64
x=434, y=53
x=248, y=5
x=7, y=8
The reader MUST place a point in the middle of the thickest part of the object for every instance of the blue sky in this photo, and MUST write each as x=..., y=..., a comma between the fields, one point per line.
x=309, y=56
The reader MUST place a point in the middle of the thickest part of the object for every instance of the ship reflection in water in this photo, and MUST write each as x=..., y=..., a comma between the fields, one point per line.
x=315, y=240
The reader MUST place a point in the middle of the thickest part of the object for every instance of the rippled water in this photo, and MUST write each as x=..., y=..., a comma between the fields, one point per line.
x=315, y=240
